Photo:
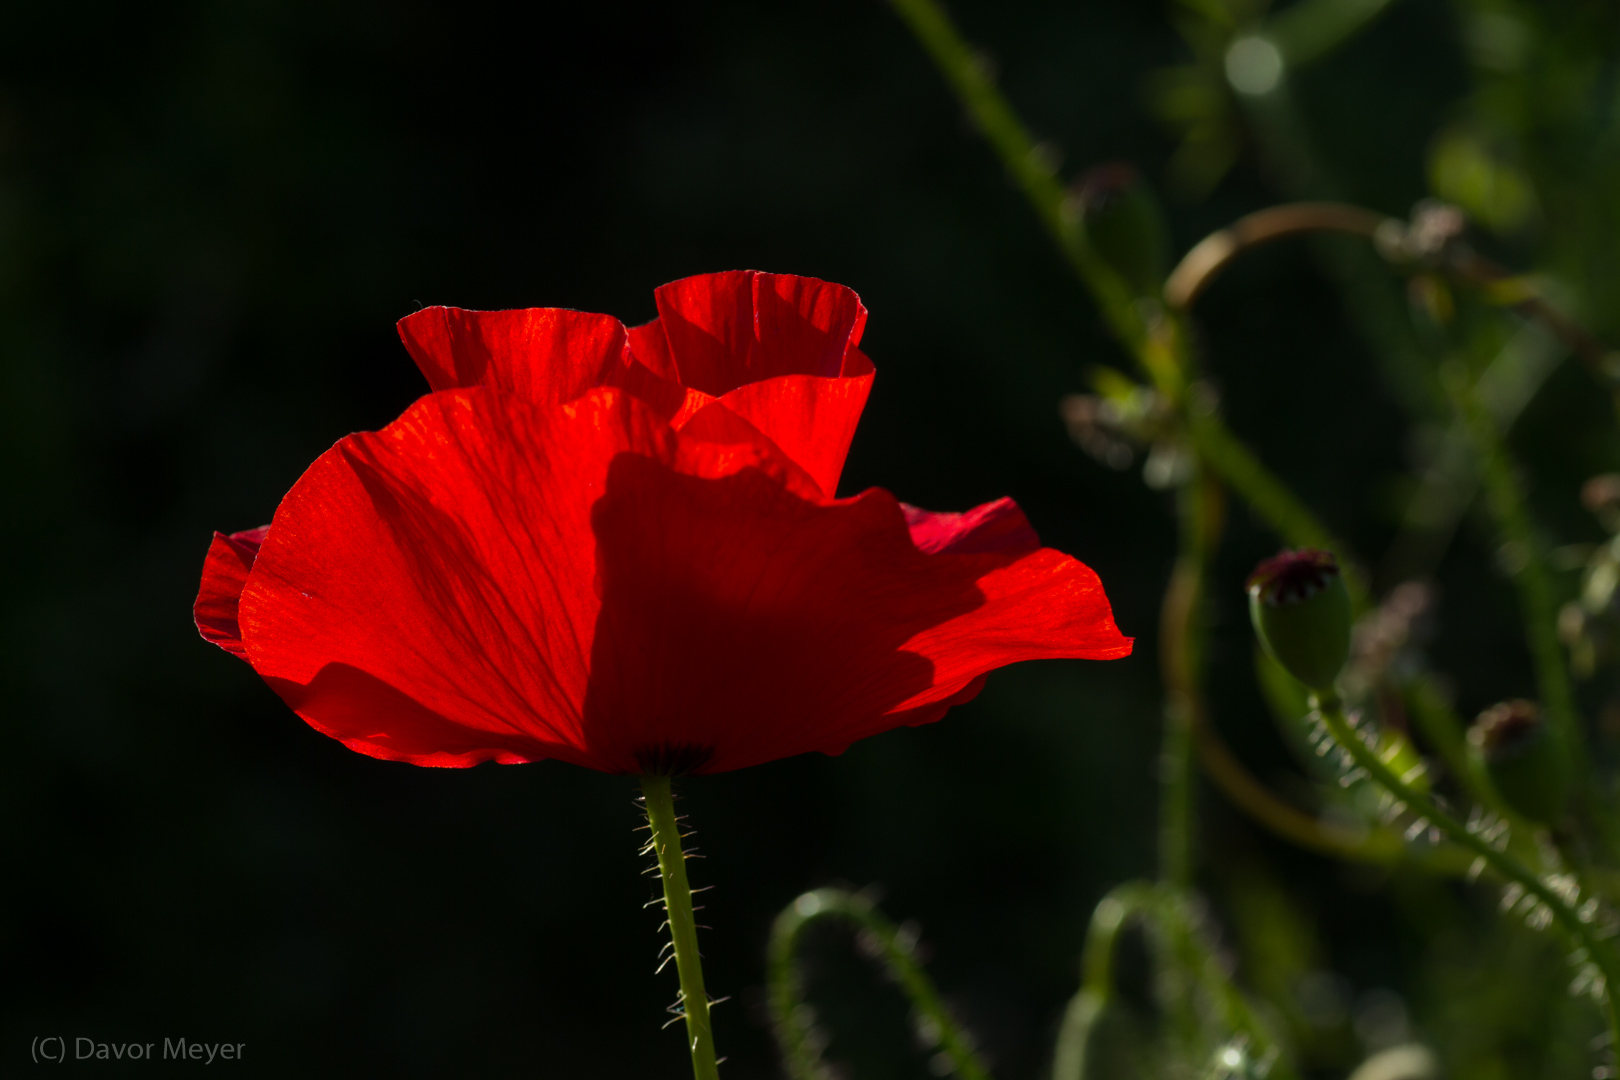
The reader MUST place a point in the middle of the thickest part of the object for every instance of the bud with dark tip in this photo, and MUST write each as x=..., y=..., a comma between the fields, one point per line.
x=1124, y=225
x=1301, y=611
x=1524, y=758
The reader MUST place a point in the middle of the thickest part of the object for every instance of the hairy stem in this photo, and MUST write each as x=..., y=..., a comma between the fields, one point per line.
x=1023, y=158
x=1377, y=846
x=1177, y=944
x=1159, y=344
x=889, y=946
x=694, y=1000
x=1585, y=934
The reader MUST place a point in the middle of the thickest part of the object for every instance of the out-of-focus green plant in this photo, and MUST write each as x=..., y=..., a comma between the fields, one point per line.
x=1528, y=163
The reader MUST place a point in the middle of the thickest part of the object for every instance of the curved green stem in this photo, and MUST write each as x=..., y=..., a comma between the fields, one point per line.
x=694, y=1001
x=1179, y=945
x=791, y=1017
x=1582, y=932
x=1111, y=915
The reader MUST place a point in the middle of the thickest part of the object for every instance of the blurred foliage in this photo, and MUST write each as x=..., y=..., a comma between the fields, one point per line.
x=211, y=215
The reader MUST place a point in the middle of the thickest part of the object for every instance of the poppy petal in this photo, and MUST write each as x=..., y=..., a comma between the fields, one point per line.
x=542, y=355
x=811, y=419
x=649, y=346
x=995, y=526
x=714, y=423
x=429, y=592
x=225, y=572
x=490, y=580
x=449, y=559
x=726, y=330
x=755, y=624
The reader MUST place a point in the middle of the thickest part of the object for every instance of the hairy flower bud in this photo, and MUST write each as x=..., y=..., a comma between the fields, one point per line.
x=1524, y=758
x=1124, y=225
x=1301, y=611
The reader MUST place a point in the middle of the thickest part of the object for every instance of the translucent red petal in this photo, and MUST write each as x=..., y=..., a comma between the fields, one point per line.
x=488, y=579
x=225, y=572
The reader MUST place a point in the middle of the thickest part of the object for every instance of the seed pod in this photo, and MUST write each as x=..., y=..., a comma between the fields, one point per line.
x=1124, y=225
x=1526, y=761
x=1301, y=611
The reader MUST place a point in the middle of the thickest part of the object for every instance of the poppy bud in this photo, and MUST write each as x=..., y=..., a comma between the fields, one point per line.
x=1301, y=611
x=1524, y=759
x=1124, y=225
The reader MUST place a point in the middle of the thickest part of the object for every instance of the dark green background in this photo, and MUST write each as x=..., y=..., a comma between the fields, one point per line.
x=211, y=214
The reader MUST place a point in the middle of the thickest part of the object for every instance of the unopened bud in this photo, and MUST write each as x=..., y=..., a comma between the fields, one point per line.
x=1124, y=225
x=1301, y=611
x=1524, y=758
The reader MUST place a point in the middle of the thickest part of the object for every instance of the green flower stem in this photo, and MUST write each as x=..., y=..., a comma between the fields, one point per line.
x=1111, y=915
x=1025, y=162
x=1200, y=519
x=1163, y=912
x=1160, y=346
x=1269, y=496
x=1583, y=933
x=1181, y=642
x=694, y=1002
x=794, y=1026
x=1377, y=846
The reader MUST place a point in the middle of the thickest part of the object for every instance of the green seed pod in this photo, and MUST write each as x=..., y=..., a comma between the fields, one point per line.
x=1124, y=225
x=1526, y=761
x=1301, y=611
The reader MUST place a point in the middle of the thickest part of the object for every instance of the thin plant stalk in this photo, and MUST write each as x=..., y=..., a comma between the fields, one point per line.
x=1164, y=913
x=1025, y=161
x=1159, y=344
x=1180, y=656
x=891, y=947
x=694, y=1000
x=1586, y=935
x=1267, y=495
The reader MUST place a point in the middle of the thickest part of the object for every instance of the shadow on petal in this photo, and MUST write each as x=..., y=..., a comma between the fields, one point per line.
x=368, y=715
x=740, y=616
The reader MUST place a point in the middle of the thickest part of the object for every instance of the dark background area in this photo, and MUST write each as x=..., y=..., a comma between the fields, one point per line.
x=211, y=215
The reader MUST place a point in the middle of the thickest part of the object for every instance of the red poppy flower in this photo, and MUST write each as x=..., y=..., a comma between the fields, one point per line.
x=621, y=548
